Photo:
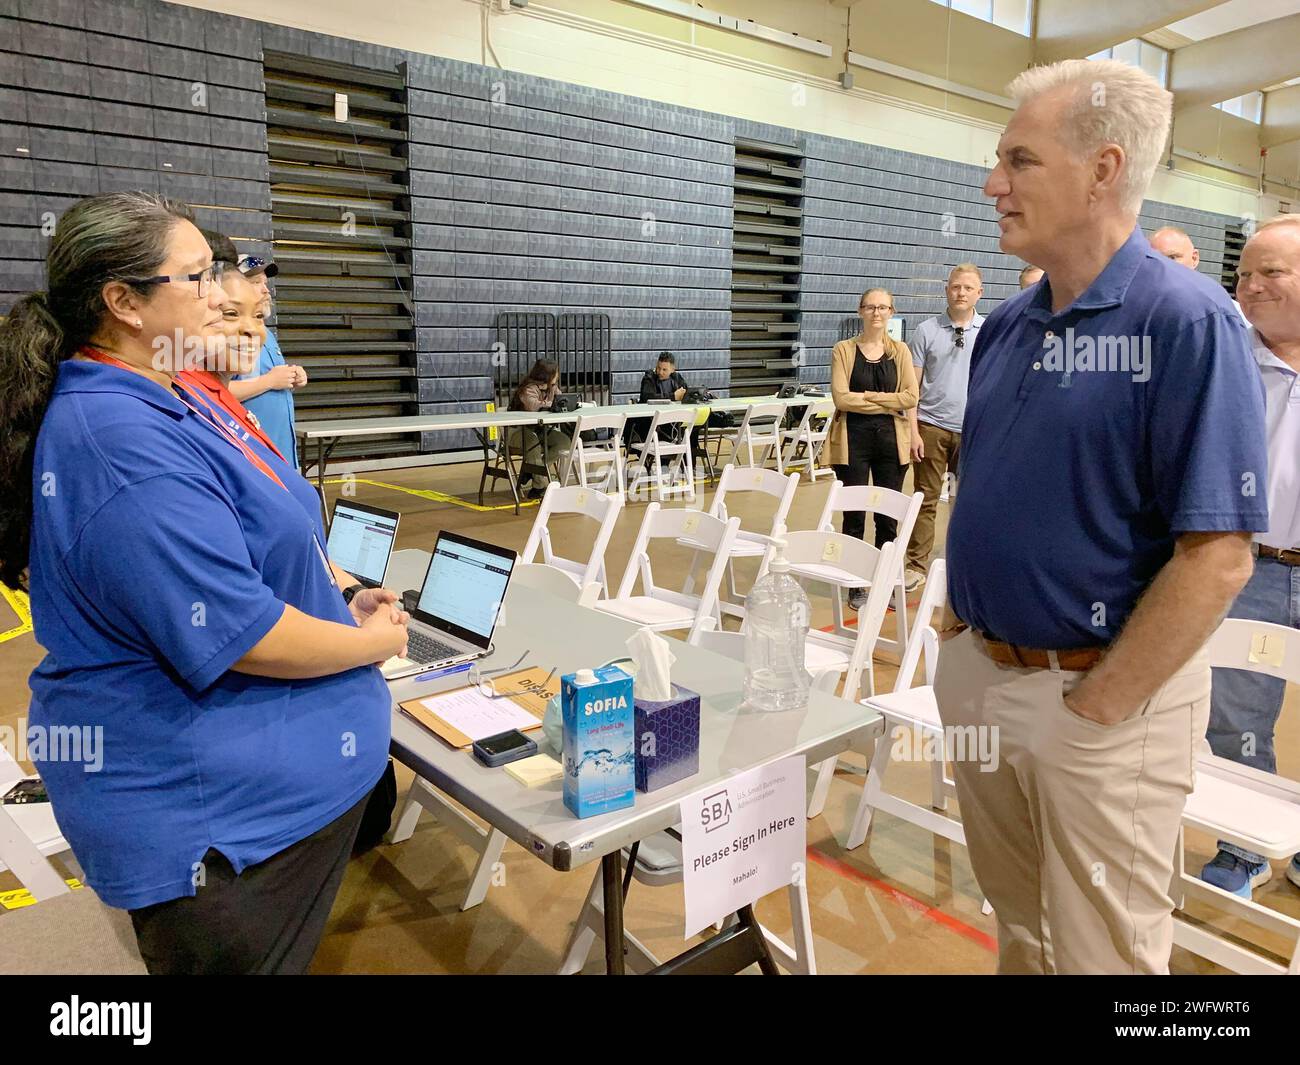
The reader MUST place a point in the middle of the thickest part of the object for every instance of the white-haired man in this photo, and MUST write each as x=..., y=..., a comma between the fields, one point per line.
x=1245, y=706
x=1174, y=244
x=1112, y=442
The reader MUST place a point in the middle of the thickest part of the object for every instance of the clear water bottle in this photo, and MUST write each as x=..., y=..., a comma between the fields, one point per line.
x=776, y=628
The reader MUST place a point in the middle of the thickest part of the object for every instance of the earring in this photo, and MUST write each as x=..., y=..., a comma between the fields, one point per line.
x=139, y=324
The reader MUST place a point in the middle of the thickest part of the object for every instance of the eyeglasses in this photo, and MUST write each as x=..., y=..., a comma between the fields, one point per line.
x=876, y=308
x=959, y=336
x=486, y=680
x=205, y=278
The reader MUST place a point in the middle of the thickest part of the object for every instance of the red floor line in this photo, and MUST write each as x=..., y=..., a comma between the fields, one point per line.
x=948, y=921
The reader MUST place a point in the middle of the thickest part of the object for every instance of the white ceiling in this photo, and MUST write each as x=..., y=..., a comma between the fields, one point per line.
x=1234, y=15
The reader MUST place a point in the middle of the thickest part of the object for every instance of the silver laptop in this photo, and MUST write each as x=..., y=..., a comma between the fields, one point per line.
x=361, y=540
x=459, y=603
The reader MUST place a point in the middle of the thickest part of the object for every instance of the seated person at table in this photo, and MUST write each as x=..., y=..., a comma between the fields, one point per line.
x=663, y=382
x=537, y=392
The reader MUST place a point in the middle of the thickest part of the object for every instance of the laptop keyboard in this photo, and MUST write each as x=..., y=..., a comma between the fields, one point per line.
x=423, y=648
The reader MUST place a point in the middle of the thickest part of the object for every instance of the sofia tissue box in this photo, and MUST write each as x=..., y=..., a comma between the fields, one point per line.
x=667, y=739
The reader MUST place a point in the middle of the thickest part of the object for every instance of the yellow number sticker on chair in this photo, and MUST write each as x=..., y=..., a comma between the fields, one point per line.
x=1267, y=648
x=874, y=498
x=581, y=498
x=758, y=478
x=691, y=522
x=832, y=551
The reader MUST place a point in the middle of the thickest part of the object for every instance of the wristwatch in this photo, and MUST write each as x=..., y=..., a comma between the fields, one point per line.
x=349, y=593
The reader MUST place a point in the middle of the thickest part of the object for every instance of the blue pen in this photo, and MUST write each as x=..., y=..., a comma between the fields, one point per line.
x=445, y=671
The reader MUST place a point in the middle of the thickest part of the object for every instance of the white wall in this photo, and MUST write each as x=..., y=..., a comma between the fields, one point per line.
x=651, y=56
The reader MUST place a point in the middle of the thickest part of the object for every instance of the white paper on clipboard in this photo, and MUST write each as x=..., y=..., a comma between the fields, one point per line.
x=477, y=716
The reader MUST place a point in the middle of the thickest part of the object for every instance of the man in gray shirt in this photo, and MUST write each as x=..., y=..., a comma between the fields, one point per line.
x=941, y=349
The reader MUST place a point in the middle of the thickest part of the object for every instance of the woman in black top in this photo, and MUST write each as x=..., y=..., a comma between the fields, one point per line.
x=873, y=383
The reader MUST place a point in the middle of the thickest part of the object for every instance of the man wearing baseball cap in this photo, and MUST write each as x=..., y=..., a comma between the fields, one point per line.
x=268, y=391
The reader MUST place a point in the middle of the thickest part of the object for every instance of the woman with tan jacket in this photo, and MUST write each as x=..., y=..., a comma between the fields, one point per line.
x=874, y=385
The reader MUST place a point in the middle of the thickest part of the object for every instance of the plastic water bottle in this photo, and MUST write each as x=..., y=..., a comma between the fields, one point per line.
x=776, y=628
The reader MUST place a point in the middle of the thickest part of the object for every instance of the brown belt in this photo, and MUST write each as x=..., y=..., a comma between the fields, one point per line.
x=1077, y=660
x=1287, y=556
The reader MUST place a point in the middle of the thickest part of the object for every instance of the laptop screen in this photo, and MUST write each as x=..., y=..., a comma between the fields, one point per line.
x=361, y=539
x=465, y=586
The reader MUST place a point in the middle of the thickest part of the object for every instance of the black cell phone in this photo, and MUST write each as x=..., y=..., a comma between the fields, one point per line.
x=504, y=747
x=25, y=791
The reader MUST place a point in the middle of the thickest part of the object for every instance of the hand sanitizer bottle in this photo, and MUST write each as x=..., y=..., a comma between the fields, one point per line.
x=776, y=628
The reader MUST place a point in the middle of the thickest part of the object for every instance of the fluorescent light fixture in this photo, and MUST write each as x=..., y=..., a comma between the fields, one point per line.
x=867, y=62
x=732, y=24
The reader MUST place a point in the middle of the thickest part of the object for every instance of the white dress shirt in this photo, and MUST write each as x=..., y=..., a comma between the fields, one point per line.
x=1282, y=418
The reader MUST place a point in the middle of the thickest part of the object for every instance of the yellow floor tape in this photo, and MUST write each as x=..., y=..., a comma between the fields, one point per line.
x=22, y=606
x=436, y=497
x=20, y=897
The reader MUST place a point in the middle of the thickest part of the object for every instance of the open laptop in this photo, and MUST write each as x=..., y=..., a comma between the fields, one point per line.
x=565, y=402
x=361, y=540
x=459, y=603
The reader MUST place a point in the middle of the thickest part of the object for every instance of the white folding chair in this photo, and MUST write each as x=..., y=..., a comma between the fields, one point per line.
x=487, y=843
x=759, y=428
x=591, y=503
x=852, y=650
x=736, y=479
x=545, y=578
x=659, y=863
x=659, y=608
x=911, y=708
x=674, y=445
x=28, y=835
x=804, y=443
x=872, y=500
x=599, y=456
x=1245, y=806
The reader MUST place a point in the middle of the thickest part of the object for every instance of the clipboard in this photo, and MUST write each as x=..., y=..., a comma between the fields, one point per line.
x=526, y=688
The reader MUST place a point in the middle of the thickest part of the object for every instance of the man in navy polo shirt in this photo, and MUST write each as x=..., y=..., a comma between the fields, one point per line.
x=1113, y=468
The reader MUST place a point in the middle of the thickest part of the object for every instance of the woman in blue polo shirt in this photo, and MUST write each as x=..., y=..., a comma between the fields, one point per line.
x=189, y=614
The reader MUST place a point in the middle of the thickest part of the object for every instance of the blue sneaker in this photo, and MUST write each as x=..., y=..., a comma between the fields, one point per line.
x=1233, y=874
x=1293, y=870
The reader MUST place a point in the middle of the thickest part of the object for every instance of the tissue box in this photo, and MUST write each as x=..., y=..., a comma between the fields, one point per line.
x=667, y=739
x=599, y=755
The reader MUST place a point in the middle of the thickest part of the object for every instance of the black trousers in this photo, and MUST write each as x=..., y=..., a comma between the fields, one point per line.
x=267, y=920
x=873, y=459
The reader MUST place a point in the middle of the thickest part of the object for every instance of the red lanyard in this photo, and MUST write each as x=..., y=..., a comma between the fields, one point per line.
x=222, y=411
x=206, y=414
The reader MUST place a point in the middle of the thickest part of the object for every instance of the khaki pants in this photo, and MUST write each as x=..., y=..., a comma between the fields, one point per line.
x=941, y=446
x=1073, y=835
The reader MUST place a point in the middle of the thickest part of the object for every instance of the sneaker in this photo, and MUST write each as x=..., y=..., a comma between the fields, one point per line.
x=913, y=579
x=1293, y=870
x=857, y=598
x=1233, y=874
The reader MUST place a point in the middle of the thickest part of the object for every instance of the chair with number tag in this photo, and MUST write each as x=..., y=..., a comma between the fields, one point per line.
x=659, y=608
x=599, y=507
x=904, y=510
x=739, y=480
x=1247, y=807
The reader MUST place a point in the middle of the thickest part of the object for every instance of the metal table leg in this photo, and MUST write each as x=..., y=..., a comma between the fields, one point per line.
x=611, y=868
